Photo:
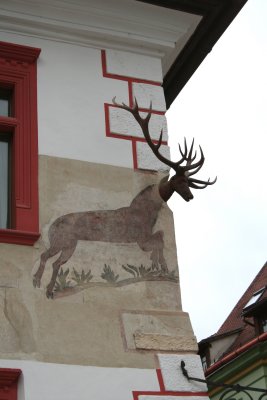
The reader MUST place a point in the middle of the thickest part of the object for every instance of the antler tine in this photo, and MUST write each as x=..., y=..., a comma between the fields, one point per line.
x=185, y=149
x=194, y=186
x=192, y=183
x=190, y=152
x=159, y=140
x=188, y=158
x=183, y=154
x=197, y=164
x=123, y=105
x=194, y=172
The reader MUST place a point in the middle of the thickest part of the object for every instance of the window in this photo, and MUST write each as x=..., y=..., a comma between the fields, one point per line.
x=204, y=363
x=5, y=172
x=19, y=218
x=5, y=102
x=264, y=323
x=255, y=297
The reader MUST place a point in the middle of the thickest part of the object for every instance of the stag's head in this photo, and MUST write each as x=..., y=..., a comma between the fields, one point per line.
x=182, y=180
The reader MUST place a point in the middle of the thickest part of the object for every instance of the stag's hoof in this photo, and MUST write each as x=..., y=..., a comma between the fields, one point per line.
x=49, y=293
x=36, y=282
x=164, y=269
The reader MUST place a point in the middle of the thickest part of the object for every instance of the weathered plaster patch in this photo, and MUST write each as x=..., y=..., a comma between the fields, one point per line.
x=158, y=331
x=150, y=341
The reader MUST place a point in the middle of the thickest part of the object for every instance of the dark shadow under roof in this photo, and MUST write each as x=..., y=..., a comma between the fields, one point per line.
x=217, y=16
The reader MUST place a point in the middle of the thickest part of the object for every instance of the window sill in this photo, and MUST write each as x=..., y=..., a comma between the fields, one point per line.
x=8, y=376
x=9, y=383
x=12, y=236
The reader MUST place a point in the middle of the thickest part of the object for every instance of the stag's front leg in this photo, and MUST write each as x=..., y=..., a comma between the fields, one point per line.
x=44, y=257
x=155, y=244
x=64, y=257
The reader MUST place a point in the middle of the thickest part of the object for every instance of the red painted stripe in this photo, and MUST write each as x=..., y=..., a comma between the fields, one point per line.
x=134, y=138
x=163, y=392
x=152, y=111
x=160, y=379
x=140, y=109
x=130, y=90
x=118, y=136
x=136, y=394
x=107, y=124
x=123, y=78
x=135, y=161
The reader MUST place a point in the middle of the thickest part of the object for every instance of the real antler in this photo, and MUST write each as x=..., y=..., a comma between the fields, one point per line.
x=182, y=180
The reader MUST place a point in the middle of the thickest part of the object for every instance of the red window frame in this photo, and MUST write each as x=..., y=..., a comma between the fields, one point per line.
x=9, y=383
x=18, y=71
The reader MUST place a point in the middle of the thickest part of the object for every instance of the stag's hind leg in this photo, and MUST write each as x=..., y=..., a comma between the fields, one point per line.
x=51, y=252
x=155, y=244
x=64, y=257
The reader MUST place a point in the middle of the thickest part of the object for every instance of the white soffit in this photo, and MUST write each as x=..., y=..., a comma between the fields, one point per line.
x=118, y=24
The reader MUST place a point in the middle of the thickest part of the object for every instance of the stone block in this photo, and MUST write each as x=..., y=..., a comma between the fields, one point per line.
x=145, y=94
x=173, y=378
x=123, y=123
x=133, y=65
x=147, y=160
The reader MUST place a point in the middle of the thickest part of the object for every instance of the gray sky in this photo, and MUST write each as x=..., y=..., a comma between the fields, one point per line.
x=221, y=234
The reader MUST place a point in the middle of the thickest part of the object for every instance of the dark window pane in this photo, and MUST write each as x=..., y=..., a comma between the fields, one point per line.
x=4, y=183
x=264, y=324
x=5, y=102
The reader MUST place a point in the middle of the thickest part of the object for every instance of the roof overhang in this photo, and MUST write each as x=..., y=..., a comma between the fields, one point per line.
x=179, y=32
x=214, y=18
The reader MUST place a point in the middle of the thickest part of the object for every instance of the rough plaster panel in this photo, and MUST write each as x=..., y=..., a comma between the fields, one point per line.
x=157, y=331
x=123, y=123
x=147, y=160
x=146, y=94
x=134, y=65
x=172, y=374
x=83, y=326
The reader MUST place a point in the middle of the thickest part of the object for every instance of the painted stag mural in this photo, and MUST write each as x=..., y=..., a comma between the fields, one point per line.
x=132, y=224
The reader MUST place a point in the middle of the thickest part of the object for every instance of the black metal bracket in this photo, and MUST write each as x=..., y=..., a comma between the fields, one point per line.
x=228, y=387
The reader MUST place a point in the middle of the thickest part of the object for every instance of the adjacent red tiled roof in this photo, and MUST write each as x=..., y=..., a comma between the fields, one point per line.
x=235, y=320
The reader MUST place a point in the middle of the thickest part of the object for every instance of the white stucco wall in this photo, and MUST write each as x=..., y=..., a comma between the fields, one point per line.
x=44, y=381
x=72, y=92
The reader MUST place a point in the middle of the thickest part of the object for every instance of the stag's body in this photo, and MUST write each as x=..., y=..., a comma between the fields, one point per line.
x=133, y=224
